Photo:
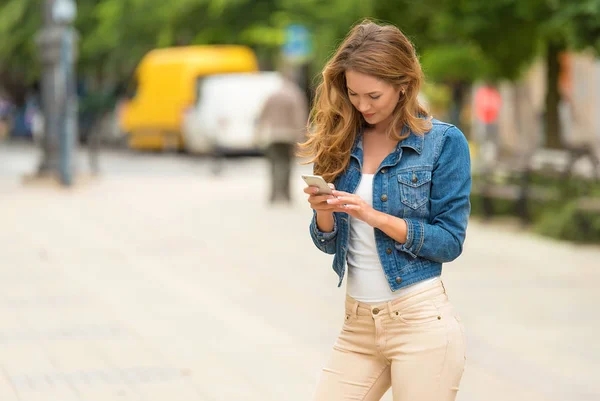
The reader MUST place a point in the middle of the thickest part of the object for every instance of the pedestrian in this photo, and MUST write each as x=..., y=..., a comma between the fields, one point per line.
x=398, y=212
x=281, y=125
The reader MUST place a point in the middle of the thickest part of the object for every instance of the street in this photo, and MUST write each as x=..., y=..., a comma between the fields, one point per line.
x=160, y=281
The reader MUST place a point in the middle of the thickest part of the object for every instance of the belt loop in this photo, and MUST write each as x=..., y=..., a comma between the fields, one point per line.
x=389, y=305
x=355, y=309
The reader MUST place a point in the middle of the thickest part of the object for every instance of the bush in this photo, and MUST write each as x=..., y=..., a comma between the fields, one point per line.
x=570, y=223
x=562, y=218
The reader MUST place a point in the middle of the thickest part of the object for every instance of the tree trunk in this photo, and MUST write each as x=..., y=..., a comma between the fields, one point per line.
x=552, y=123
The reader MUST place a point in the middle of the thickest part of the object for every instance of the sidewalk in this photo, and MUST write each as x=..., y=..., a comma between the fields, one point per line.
x=187, y=287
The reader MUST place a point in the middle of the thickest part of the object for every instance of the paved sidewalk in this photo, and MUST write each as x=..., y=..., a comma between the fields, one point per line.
x=187, y=287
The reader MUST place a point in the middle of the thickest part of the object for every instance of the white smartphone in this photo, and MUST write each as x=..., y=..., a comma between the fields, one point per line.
x=319, y=182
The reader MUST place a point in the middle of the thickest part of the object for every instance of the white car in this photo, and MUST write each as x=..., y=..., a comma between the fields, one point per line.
x=226, y=112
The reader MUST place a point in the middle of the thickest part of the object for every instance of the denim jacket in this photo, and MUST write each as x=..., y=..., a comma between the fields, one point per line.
x=426, y=181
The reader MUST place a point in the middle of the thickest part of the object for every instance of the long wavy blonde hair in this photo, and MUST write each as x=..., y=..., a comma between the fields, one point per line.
x=381, y=51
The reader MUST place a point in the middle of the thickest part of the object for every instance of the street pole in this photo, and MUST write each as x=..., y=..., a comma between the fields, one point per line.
x=57, y=43
x=48, y=41
x=68, y=106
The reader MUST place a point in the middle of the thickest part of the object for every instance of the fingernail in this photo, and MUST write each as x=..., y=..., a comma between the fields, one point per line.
x=330, y=201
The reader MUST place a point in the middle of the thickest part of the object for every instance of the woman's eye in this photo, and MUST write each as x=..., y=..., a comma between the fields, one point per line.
x=351, y=94
x=375, y=97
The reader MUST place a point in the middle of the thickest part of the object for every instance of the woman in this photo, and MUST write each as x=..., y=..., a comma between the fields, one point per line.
x=400, y=210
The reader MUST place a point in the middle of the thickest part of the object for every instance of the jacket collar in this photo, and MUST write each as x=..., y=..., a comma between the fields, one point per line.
x=413, y=141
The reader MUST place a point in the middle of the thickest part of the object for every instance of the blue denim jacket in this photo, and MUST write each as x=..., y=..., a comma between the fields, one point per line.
x=427, y=182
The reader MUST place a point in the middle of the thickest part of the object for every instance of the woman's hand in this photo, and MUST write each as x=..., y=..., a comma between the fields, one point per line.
x=319, y=202
x=356, y=207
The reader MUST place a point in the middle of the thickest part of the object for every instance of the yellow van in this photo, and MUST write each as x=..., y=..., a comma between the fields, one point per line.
x=165, y=85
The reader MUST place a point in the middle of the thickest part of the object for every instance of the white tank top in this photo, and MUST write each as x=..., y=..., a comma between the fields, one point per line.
x=366, y=279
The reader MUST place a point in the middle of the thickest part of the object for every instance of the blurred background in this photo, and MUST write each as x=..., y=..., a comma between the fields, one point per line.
x=141, y=258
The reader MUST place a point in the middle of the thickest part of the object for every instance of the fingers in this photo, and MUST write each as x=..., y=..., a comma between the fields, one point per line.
x=316, y=199
x=313, y=190
x=319, y=202
x=341, y=193
x=346, y=199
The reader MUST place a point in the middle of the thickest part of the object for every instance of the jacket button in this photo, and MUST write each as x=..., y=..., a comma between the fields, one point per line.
x=388, y=251
x=384, y=197
x=383, y=170
x=398, y=280
x=415, y=179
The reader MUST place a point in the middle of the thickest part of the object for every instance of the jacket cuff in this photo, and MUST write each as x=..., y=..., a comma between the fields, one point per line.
x=321, y=236
x=415, y=235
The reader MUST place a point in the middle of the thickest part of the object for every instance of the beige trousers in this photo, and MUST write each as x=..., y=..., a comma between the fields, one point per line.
x=415, y=344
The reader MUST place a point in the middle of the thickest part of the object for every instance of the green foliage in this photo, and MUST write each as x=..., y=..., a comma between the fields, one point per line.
x=438, y=96
x=454, y=63
x=457, y=40
x=564, y=216
x=19, y=20
x=570, y=223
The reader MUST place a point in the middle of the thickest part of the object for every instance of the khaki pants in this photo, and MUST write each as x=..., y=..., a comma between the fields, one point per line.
x=415, y=344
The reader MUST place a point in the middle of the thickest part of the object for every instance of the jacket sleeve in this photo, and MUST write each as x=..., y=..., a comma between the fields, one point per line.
x=326, y=242
x=441, y=240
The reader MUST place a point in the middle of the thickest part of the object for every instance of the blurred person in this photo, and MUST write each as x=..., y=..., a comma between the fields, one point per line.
x=280, y=126
x=399, y=210
x=5, y=113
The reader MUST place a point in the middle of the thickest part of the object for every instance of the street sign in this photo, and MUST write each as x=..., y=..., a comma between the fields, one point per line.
x=297, y=47
x=487, y=104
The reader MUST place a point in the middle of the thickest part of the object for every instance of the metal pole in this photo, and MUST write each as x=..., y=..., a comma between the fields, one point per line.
x=57, y=45
x=68, y=106
x=47, y=42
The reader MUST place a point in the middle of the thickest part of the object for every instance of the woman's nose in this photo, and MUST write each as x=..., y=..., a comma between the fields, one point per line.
x=363, y=106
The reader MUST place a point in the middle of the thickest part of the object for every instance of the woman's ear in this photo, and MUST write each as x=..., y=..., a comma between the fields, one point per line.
x=401, y=94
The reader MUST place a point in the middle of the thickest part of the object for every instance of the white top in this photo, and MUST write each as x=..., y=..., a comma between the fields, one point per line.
x=366, y=279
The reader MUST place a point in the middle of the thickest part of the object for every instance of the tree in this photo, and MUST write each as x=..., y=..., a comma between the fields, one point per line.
x=511, y=33
x=498, y=39
x=19, y=20
x=459, y=41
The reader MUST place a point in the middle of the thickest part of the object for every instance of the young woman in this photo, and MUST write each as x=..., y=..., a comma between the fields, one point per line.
x=398, y=212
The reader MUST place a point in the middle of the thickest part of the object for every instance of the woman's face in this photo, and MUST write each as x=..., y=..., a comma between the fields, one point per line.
x=373, y=98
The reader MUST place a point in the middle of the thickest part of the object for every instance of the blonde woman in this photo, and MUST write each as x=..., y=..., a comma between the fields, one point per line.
x=398, y=212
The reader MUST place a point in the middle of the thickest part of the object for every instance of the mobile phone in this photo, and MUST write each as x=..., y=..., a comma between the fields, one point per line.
x=319, y=182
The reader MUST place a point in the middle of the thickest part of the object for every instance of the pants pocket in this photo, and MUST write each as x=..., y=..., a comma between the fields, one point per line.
x=418, y=314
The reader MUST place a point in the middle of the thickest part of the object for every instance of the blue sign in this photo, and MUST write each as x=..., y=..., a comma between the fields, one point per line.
x=297, y=46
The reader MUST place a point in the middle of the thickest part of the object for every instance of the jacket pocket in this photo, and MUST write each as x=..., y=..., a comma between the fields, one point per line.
x=414, y=187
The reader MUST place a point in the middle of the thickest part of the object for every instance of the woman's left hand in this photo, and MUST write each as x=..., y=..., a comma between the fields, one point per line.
x=355, y=206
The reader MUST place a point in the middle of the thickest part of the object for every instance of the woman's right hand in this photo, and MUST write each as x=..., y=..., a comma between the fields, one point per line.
x=319, y=202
